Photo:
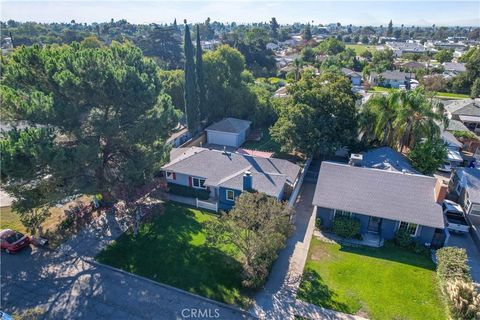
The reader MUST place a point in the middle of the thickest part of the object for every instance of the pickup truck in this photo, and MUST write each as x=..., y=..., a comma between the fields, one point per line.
x=455, y=217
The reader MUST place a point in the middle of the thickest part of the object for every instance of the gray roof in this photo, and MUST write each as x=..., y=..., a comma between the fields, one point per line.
x=471, y=176
x=223, y=169
x=454, y=66
x=456, y=125
x=413, y=65
x=465, y=107
x=379, y=193
x=231, y=125
x=451, y=141
x=393, y=75
x=387, y=159
x=271, y=184
x=350, y=73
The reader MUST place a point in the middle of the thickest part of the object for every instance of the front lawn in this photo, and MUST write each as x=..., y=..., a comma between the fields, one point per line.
x=384, y=283
x=171, y=248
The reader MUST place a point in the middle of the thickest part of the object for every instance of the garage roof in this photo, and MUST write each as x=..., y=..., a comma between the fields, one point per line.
x=230, y=125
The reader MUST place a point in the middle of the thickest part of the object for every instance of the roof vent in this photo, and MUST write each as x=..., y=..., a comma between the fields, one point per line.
x=356, y=159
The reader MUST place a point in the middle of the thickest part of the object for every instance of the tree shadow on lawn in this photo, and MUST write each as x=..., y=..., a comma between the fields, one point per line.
x=314, y=290
x=170, y=249
x=393, y=253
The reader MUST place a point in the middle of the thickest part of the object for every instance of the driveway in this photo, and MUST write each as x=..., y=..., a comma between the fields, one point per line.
x=66, y=284
x=465, y=241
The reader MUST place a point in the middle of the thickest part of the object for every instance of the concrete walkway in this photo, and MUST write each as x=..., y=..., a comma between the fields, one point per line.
x=66, y=284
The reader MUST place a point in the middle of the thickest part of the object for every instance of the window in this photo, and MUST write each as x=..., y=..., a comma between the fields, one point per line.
x=230, y=195
x=458, y=189
x=411, y=228
x=198, y=183
x=171, y=175
x=341, y=213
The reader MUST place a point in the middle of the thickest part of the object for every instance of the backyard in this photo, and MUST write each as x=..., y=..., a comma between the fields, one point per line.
x=266, y=143
x=439, y=95
x=171, y=248
x=383, y=283
x=360, y=48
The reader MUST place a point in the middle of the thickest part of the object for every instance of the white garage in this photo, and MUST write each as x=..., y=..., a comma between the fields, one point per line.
x=228, y=132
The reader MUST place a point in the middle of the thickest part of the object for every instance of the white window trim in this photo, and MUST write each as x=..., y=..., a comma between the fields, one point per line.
x=167, y=175
x=335, y=213
x=416, y=230
x=233, y=195
x=199, y=185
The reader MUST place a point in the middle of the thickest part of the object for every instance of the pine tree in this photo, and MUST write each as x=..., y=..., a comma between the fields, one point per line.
x=200, y=78
x=390, y=29
x=191, y=94
x=307, y=33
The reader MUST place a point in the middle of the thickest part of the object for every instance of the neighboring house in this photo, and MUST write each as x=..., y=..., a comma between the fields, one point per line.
x=399, y=48
x=454, y=67
x=383, y=201
x=209, y=45
x=454, y=157
x=391, y=79
x=465, y=110
x=281, y=92
x=228, y=132
x=464, y=187
x=411, y=65
x=272, y=46
x=179, y=137
x=226, y=175
x=385, y=158
x=355, y=77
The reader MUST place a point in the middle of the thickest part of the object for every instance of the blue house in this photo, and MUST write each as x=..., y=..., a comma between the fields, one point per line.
x=225, y=175
x=384, y=201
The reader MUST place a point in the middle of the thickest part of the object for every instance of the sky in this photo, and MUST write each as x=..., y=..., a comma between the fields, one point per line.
x=407, y=12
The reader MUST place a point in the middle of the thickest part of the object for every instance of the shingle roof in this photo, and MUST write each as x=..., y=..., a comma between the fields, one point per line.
x=466, y=107
x=454, y=66
x=456, y=125
x=472, y=178
x=379, y=193
x=450, y=139
x=219, y=168
x=350, y=73
x=231, y=125
x=397, y=75
x=387, y=159
x=271, y=184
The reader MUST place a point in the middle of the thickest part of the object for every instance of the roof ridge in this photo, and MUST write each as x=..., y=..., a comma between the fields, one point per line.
x=233, y=175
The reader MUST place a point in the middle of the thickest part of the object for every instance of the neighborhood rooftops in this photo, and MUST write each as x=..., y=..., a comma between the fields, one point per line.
x=470, y=179
x=230, y=125
x=226, y=169
x=387, y=159
x=379, y=193
x=394, y=75
x=454, y=66
x=463, y=107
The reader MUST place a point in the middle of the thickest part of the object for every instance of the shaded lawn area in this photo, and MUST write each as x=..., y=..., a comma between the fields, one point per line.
x=10, y=220
x=379, y=283
x=360, y=48
x=170, y=248
x=266, y=143
x=440, y=95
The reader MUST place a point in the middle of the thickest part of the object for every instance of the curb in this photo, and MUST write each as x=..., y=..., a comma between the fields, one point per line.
x=224, y=305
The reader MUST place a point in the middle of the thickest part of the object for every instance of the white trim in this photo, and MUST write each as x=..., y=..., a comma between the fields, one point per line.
x=335, y=213
x=233, y=195
x=416, y=230
x=167, y=172
x=199, y=184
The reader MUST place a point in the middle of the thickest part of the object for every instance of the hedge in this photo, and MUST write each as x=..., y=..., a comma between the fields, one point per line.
x=346, y=227
x=190, y=192
x=452, y=264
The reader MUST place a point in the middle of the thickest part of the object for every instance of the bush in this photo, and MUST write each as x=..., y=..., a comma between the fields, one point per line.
x=188, y=191
x=403, y=239
x=346, y=227
x=318, y=223
x=463, y=300
x=452, y=264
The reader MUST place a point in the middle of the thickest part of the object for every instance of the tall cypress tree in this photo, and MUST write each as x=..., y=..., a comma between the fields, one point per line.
x=191, y=94
x=200, y=79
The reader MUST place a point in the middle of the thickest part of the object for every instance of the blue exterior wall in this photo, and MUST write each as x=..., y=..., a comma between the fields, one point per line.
x=425, y=234
x=356, y=81
x=181, y=179
x=326, y=216
x=223, y=202
x=388, y=228
x=363, y=221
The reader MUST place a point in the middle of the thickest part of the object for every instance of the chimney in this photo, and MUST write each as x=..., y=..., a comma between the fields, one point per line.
x=247, y=181
x=441, y=189
x=356, y=159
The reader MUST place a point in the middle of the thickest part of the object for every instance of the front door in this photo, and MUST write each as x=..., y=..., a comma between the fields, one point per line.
x=374, y=224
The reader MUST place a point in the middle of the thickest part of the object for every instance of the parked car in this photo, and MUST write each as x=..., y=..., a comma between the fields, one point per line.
x=12, y=241
x=455, y=217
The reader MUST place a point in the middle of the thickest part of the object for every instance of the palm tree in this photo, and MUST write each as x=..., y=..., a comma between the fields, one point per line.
x=416, y=118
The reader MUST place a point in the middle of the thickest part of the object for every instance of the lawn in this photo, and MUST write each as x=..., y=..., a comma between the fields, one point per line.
x=10, y=220
x=171, y=248
x=360, y=48
x=384, y=283
x=439, y=95
x=266, y=143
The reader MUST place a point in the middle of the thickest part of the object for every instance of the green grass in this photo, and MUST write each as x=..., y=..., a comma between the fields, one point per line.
x=171, y=248
x=440, y=95
x=360, y=48
x=266, y=143
x=384, y=283
x=10, y=220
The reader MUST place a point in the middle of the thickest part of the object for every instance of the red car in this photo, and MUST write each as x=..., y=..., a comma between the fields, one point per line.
x=12, y=241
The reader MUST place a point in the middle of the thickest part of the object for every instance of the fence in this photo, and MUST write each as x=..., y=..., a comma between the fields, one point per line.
x=207, y=205
x=295, y=192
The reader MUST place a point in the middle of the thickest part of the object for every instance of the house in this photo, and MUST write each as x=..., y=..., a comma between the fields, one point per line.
x=385, y=158
x=411, y=65
x=464, y=187
x=281, y=92
x=454, y=157
x=226, y=175
x=399, y=48
x=391, y=79
x=355, y=77
x=465, y=110
x=180, y=136
x=384, y=201
x=229, y=132
x=454, y=67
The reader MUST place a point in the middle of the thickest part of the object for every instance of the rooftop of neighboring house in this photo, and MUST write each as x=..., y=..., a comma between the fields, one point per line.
x=412, y=65
x=451, y=141
x=456, y=125
x=231, y=125
x=379, y=193
x=454, y=66
x=226, y=169
x=350, y=73
x=387, y=159
x=394, y=75
x=463, y=107
x=471, y=179
x=406, y=46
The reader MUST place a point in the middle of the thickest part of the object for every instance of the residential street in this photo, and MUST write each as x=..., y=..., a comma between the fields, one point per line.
x=66, y=285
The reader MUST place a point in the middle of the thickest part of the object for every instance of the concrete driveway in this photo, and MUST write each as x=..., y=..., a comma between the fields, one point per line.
x=66, y=284
x=465, y=241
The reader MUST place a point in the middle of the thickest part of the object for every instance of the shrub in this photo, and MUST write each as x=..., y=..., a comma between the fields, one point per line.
x=346, y=227
x=190, y=192
x=403, y=239
x=463, y=300
x=318, y=222
x=452, y=264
